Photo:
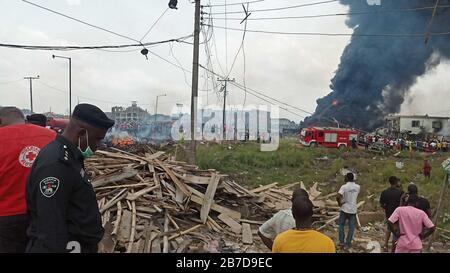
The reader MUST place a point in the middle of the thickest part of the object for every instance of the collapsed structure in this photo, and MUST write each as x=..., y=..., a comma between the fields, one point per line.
x=150, y=203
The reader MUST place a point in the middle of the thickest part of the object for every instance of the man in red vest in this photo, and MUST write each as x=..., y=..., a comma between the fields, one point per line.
x=20, y=144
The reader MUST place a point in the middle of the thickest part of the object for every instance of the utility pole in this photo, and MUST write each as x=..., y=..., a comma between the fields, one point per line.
x=70, y=81
x=31, y=89
x=224, y=104
x=156, y=107
x=194, y=91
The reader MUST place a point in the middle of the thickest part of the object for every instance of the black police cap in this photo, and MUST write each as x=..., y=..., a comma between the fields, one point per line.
x=92, y=115
x=37, y=118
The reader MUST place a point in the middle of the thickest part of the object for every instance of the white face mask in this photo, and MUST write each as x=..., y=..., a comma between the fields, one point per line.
x=88, y=152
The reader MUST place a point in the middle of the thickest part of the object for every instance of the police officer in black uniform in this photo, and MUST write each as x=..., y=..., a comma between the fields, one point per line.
x=60, y=198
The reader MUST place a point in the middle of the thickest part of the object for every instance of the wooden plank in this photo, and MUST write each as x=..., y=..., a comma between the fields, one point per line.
x=263, y=188
x=158, y=184
x=124, y=232
x=133, y=227
x=136, y=195
x=118, y=217
x=247, y=237
x=194, y=179
x=154, y=156
x=232, y=213
x=185, y=232
x=107, y=244
x=241, y=188
x=209, y=197
x=165, y=238
x=182, y=247
x=252, y=222
x=124, y=186
x=235, y=226
x=179, y=196
x=127, y=173
x=113, y=201
x=175, y=179
x=156, y=245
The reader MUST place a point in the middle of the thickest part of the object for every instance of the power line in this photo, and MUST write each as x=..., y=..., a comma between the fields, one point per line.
x=68, y=48
x=261, y=95
x=80, y=21
x=82, y=96
x=281, y=8
x=338, y=34
x=233, y=4
x=9, y=82
x=240, y=48
x=226, y=39
x=334, y=14
x=167, y=61
x=154, y=24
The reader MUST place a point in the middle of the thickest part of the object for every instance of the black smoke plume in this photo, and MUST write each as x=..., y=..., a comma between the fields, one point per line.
x=375, y=73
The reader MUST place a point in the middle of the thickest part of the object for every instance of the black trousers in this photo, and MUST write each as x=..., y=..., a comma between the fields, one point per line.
x=13, y=233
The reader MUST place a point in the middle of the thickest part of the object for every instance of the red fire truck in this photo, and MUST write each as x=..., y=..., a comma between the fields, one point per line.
x=328, y=137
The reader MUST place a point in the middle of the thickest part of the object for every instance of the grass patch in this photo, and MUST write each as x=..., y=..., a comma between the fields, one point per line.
x=247, y=165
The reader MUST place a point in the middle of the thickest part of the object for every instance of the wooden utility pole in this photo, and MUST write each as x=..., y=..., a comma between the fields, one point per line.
x=438, y=208
x=31, y=90
x=194, y=92
x=224, y=105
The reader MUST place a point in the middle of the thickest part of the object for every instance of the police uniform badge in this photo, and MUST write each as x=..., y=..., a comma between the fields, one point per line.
x=49, y=186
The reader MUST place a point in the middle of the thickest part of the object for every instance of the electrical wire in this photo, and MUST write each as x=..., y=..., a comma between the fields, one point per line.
x=81, y=21
x=334, y=14
x=261, y=96
x=402, y=35
x=281, y=8
x=233, y=4
x=9, y=82
x=68, y=48
x=154, y=24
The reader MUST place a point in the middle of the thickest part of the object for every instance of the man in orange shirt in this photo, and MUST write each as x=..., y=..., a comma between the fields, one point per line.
x=303, y=238
x=20, y=144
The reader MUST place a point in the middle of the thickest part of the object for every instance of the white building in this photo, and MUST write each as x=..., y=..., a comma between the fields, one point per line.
x=414, y=125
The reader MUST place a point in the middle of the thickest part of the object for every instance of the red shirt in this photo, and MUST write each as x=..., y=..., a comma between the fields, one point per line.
x=19, y=146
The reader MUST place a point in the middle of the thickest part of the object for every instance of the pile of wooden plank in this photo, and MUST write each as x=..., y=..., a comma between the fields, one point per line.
x=150, y=203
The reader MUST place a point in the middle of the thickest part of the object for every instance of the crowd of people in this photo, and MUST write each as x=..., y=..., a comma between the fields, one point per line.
x=407, y=219
x=401, y=144
x=47, y=202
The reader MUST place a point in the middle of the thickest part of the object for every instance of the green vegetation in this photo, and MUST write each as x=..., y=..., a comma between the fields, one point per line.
x=246, y=164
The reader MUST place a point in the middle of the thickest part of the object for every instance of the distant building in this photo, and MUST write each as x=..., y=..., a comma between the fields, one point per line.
x=134, y=113
x=288, y=127
x=415, y=125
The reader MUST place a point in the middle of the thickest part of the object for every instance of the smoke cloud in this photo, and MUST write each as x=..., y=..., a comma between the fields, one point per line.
x=376, y=73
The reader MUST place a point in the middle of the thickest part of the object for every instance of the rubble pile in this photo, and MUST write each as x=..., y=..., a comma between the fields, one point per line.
x=150, y=203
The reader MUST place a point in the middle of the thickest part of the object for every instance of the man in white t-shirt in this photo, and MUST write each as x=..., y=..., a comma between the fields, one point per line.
x=280, y=222
x=347, y=200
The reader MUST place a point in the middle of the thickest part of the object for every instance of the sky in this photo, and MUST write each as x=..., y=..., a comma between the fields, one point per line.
x=293, y=69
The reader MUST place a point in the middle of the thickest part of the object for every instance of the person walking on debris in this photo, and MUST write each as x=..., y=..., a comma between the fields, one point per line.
x=389, y=200
x=407, y=223
x=303, y=238
x=422, y=203
x=427, y=169
x=347, y=197
x=20, y=144
x=280, y=222
x=62, y=205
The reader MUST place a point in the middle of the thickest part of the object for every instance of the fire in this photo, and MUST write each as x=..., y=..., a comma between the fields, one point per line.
x=122, y=142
